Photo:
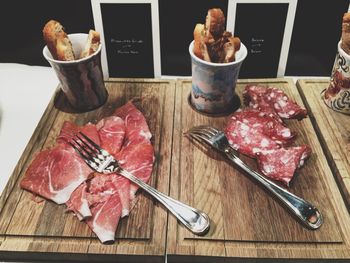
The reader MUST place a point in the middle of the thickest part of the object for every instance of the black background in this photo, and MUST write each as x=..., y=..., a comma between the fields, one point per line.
x=178, y=19
x=316, y=32
x=317, y=29
x=261, y=27
x=115, y=19
x=22, y=23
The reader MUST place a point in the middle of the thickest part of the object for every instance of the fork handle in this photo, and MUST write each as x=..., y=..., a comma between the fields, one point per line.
x=195, y=220
x=306, y=212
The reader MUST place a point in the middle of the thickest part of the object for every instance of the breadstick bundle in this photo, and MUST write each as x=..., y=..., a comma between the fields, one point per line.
x=211, y=42
x=60, y=45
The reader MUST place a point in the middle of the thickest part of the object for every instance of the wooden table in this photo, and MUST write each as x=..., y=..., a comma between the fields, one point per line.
x=246, y=223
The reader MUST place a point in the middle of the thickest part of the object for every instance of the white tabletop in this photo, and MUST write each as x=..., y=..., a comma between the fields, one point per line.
x=25, y=91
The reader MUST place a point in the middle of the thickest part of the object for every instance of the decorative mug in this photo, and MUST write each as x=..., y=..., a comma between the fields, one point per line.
x=213, y=84
x=337, y=95
x=81, y=79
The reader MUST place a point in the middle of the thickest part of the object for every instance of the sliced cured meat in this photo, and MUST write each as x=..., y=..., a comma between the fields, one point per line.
x=78, y=202
x=251, y=132
x=123, y=186
x=56, y=173
x=137, y=130
x=285, y=107
x=254, y=98
x=272, y=101
x=60, y=174
x=111, y=131
x=111, y=183
x=105, y=217
x=281, y=164
x=137, y=159
x=269, y=125
x=69, y=129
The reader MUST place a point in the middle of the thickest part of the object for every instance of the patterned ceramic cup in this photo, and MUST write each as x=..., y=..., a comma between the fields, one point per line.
x=82, y=79
x=337, y=95
x=213, y=84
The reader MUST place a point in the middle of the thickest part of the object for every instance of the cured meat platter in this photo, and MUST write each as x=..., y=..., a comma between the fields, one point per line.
x=332, y=128
x=45, y=229
x=246, y=222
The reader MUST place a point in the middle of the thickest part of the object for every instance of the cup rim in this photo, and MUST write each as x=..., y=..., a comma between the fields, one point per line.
x=70, y=61
x=243, y=47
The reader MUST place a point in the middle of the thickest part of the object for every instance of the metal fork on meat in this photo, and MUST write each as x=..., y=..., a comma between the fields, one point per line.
x=306, y=212
x=101, y=161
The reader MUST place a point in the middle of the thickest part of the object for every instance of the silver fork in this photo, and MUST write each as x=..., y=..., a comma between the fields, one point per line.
x=101, y=161
x=303, y=210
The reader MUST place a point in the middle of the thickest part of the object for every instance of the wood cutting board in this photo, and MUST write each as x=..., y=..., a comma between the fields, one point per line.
x=35, y=230
x=245, y=221
x=333, y=129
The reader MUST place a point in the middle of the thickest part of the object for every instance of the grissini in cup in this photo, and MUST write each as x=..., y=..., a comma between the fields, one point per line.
x=60, y=45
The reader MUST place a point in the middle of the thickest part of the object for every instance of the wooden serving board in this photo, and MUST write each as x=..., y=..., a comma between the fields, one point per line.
x=43, y=230
x=333, y=129
x=246, y=222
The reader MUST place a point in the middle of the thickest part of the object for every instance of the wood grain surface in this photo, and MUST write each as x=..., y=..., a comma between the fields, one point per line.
x=29, y=224
x=333, y=128
x=246, y=221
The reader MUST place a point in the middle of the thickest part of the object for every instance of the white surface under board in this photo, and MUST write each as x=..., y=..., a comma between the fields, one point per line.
x=25, y=91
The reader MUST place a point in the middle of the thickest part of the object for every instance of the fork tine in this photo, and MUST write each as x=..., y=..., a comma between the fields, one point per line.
x=200, y=138
x=203, y=132
x=91, y=142
x=86, y=146
x=80, y=149
x=206, y=129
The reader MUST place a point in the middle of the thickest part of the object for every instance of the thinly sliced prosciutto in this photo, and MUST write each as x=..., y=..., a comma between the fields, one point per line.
x=111, y=183
x=137, y=159
x=69, y=129
x=111, y=131
x=78, y=202
x=61, y=175
x=136, y=126
x=56, y=173
x=105, y=216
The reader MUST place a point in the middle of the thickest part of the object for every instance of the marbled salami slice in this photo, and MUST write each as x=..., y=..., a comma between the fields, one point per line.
x=251, y=132
x=284, y=106
x=273, y=101
x=281, y=164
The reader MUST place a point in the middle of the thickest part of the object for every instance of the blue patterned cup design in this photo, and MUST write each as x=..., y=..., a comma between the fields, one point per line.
x=337, y=95
x=81, y=79
x=213, y=84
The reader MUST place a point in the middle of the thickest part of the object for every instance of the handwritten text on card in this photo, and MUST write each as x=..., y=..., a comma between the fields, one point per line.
x=128, y=46
x=257, y=45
